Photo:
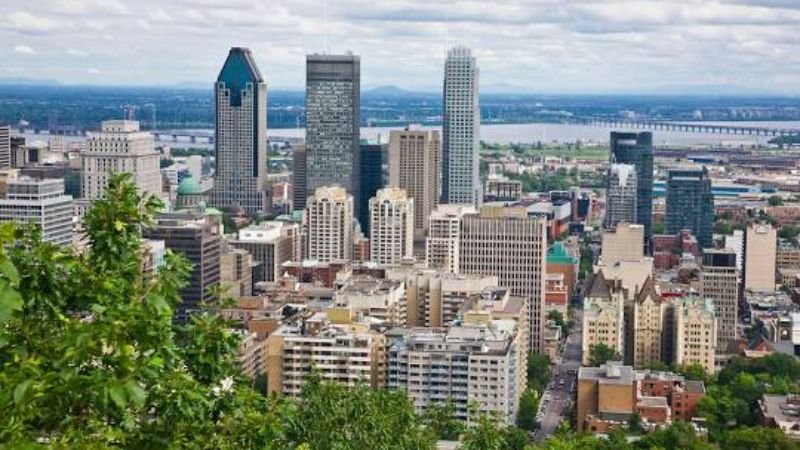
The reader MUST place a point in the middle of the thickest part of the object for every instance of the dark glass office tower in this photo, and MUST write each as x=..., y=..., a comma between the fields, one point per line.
x=333, y=98
x=636, y=149
x=371, y=174
x=690, y=204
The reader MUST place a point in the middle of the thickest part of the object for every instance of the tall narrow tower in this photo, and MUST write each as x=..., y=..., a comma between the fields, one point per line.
x=461, y=129
x=240, y=182
x=636, y=149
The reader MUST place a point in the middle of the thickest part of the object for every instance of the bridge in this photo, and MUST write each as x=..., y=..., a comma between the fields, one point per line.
x=689, y=127
x=208, y=137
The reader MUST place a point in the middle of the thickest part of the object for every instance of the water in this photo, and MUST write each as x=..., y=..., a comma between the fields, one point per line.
x=534, y=132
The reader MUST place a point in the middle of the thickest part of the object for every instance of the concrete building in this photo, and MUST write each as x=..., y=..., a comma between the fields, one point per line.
x=621, y=195
x=236, y=272
x=414, y=165
x=391, y=237
x=329, y=224
x=299, y=177
x=468, y=364
x=650, y=318
x=509, y=244
x=240, y=144
x=501, y=189
x=120, y=147
x=760, y=254
x=690, y=204
x=371, y=181
x=461, y=129
x=5, y=146
x=736, y=243
x=636, y=149
x=719, y=281
x=603, y=310
x=270, y=244
x=347, y=354
x=196, y=237
x=622, y=244
x=695, y=332
x=781, y=412
x=442, y=247
x=333, y=99
x=40, y=202
x=365, y=296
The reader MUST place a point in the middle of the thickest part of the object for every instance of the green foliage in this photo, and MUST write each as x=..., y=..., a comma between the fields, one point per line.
x=659, y=228
x=485, y=434
x=635, y=423
x=558, y=318
x=601, y=353
x=441, y=420
x=775, y=200
x=679, y=435
x=757, y=438
x=789, y=232
x=538, y=373
x=528, y=407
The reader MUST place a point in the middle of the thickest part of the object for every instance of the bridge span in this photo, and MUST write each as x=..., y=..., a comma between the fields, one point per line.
x=687, y=127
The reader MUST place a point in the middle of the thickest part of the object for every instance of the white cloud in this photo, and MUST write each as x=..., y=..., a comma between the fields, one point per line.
x=24, y=50
x=25, y=22
x=93, y=71
x=74, y=52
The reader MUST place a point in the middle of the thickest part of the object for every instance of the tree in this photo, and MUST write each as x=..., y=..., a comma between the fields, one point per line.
x=601, y=353
x=538, y=371
x=659, y=228
x=775, y=200
x=757, y=438
x=484, y=434
x=635, y=423
x=528, y=407
x=558, y=318
x=442, y=421
x=788, y=232
x=679, y=435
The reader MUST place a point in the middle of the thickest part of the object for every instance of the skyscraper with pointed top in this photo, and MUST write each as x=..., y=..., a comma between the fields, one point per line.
x=240, y=94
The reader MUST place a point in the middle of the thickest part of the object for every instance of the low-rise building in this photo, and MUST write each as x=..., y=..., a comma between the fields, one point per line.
x=782, y=412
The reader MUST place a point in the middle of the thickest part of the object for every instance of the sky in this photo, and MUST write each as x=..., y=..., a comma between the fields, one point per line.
x=541, y=46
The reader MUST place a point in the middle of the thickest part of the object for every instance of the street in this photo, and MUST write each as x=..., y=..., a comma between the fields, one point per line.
x=558, y=396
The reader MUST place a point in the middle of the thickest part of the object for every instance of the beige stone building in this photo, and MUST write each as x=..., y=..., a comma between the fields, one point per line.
x=271, y=244
x=391, y=230
x=235, y=272
x=649, y=321
x=760, y=254
x=328, y=218
x=719, y=281
x=603, y=311
x=623, y=243
x=414, y=165
x=695, y=332
x=442, y=247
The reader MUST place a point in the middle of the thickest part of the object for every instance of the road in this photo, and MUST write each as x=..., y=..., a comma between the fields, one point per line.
x=558, y=396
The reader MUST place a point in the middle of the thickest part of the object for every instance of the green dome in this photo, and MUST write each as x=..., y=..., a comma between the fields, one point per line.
x=189, y=186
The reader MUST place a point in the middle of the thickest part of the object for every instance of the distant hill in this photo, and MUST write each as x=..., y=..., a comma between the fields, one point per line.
x=393, y=92
x=22, y=81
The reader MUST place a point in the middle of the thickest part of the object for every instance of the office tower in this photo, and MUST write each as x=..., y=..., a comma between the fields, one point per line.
x=648, y=322
x=41, y=202
x=636, y=149
x=621, y=195
x=471, y=364
x=240, y=144
x=505, y=242
x=414, y=160
x=333, y=99
x=690, y=204
x=371, y=176
x=299, y=177
x=329, y=224
x=622, y=244
x=120, y=147
x=347, y=354
x=603, y=312
x=195, y=165
x=19, y=153
x=760, y=249
x=443, y=243
x=5, y=146
x=391, y=224
x=719, y=281
x=197, y=238
x=695, y=332
x=735, y=242
x=461, y=129
x=236, y=272
x=271, y=244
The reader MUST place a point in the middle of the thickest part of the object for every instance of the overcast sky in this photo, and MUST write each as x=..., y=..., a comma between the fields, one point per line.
x=539, y=45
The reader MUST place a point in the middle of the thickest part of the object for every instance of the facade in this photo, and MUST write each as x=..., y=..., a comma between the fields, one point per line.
x=299, y=177
x=329, y=224
x=603, y=313
x=736, y=243
x=197, y=238
x=236, y=272
x=760, y=254
x=506, y=243
x=333, y=99
x=622, y=244
x=371, y=176
x=120, y=147
x=414, y=164
x=468, y=364
x=5, y=146
x=365, y=296
x=502, y=189
x=636, y=149
x=621, y=195
x=649, y=322
x=391, y=224
x=690, y=204
x=442, y=247
x=695, y=332
x=781, y=412
x=270, y=244
x=719, y=281
x=461, y=129
x=41, y=202
x=240, y=144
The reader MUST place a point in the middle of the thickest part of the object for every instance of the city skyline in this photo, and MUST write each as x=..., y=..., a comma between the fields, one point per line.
x=578, y=46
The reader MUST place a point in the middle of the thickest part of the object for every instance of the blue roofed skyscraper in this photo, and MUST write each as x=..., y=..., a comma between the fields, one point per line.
x=240, y=94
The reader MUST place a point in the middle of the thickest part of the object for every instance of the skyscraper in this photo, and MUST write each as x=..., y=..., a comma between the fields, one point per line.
x=333, y=98
x=391, y=237
x=371, y=175
x=690, y=204
x=461, y=129
x=621, y=195
x=414, y=158
x=299, y=177
x=719, y=281
x=240, y=96
x=5, y=146
x=41, y=202
x=636, y=149
x=760, y=255
x=329, y=224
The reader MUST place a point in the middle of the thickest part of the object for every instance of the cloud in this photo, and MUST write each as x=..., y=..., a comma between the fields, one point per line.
x=24, y=50
x=26, y=23
x=92, y=71
x=73, y=52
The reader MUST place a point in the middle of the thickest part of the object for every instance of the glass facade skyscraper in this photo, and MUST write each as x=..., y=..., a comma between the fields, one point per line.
x=636, y=149
x=690, y=204
x=371, y=172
